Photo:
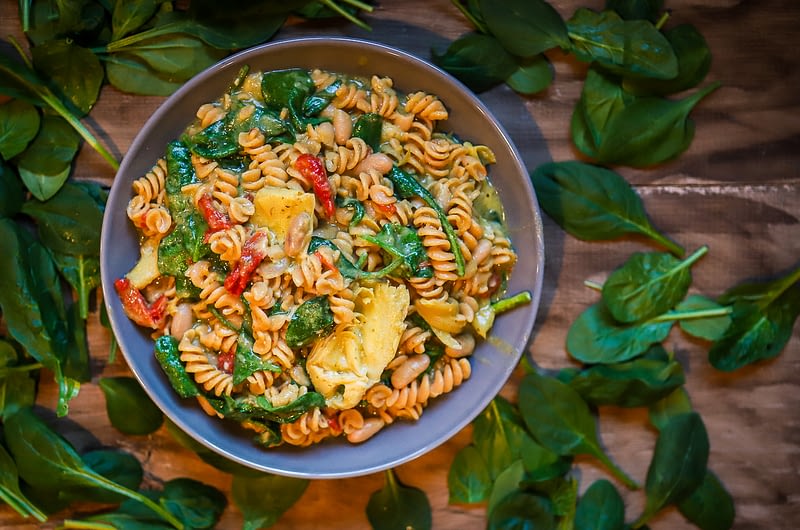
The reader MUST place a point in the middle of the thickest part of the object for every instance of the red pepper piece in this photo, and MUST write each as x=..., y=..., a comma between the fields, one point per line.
x=254, y=251
x=136, y=307
x=225, y=361
x=312, y=168
x=325, y=262
x=216, y=220
x=387, y=209
x=333, y=425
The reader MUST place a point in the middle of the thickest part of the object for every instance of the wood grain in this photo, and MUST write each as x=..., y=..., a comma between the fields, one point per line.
x=737, y=190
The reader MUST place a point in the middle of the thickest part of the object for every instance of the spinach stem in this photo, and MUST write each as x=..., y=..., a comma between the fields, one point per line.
x=662, y=20
x=475, y=22
x=672, y=316
x=669, y=244
x=591, y=284
x=337, y=8
x=617, y=471
x=22, y=368
x=25, y=15
x=699, y=253
x=512, y=302
x=22, y=506
x=359, y=5
x=110, y=485
x=86, y=525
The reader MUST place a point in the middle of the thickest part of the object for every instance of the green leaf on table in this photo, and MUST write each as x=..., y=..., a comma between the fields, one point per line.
x=648, y=284
x=177, y=57
x=650, y=130
x=10, y=492
x=12, y=192
x=397, y=506
x=593, y=203
x=600, y=508
x=477, y=60
x=45, y=164
x=117, y=466
x=19, y=123
x=678, y=465
x=694, y=62
x=264, y=499
x=73, y=71
x=76, y=361
x=129, y=408
x=128, y=16
x=195, y=504
x=634, y=47
x=18, y=81
x=533, y=74
x=507, y=482
x=524, y=27
x=710, y=506
x=53, y=19
x=671, y=405
x=468, y=479
x=129, y=73
x=636, y=9
x=761, y=322
x=602, y=97
x=711, y=328
x=249, y=24
x=596, y=337
x=560, y=420
x=524, y=511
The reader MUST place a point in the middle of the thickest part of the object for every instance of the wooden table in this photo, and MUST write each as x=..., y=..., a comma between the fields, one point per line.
x=737, y=190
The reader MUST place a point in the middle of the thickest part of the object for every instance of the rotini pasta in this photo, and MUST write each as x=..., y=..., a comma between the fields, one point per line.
x=307, y=292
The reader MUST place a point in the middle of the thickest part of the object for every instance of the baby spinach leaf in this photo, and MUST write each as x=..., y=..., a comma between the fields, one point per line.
x=82, y=273
x=710, y=506
x=636, y=9
x=131, y=74
x=600, y=508
x=316, y=103
x=287, y=89
x=120, y=520
x=312, y=320
x=195, y=504
x=635, y=383
x=602, y=97
x=499, y=434
x=663, y=410
x=246, y=361
x=635, y=47
x=477, y=60
x=368, y=127
x=10, y=492
x=593, y=203
x=710, y=328
x=506, y=483
x=51, y=19
x=129, y=407
x=117, y=466
x=169, y=358
x=761, y=322
x=402, y=243
x=650, y=130
x=128, y=16
x=12, y=193
x=76, y=360
x=73, y=71
x=532, y=75
x=522, y=510
x=648, y=284
x=560, y=420
x=259, y=408
x=177, y=57
x=263, y=499
x=694, y=62
x=678, y=465
x=398, y=507
x=45, y=164
x=19, y=123
x=247, y=25
x=595, y=337
x=468, y=479
x=524, y=27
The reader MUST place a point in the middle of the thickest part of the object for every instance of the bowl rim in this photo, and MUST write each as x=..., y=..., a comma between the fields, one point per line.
x=241, y=57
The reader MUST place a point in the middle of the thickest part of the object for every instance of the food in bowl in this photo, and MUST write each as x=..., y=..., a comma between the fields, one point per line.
x=316, y=255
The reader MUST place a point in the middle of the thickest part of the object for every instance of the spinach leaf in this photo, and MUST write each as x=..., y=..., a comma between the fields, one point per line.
x=246, y=361
x=17, y=386
x=74, y=72
x=650, y=130
x=46, y=163
x=468, y=479
x=12, y=194
x=10, y=492
x=533, y=75
x=368, y=127
x=761, y=322
x=522, y=510
x=477, y=60
x=52, y=19
x=48, y=461
x=636, y=9
x=635, y=47
x=406, y=186
x=648, y=284
x=312, y=320
x=263, y=499
x=593, y=203
x=128, y=16
x=355, y=204
x=129, y=73
x=710, y=506
x=398, y=507
x=287, y=89
x=507, y=482
x=524, y=27
x=694, y=62
x=75, y=360
x=602, y=97
x=710, y=328
x=117, y=466
x=678, y=465
x=19, y=123
x=595, y=337
x=600, y=508
x=317, y=102
x=259, y=408
x=169, y=358
x=195, y=504
x=129, y=407
x=409, y=258
x=247, y=25
x=635, y=383
x=560, y=420
x=83, y=274
x=33, y=305
x=674, y=404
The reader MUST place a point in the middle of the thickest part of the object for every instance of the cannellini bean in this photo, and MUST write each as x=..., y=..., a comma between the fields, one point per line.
x=410, y=370
x=342, y=126
x=299, y=234
x=467, y=342
x=181, y=320
x=482, y=250
x=371, y=426
x=377, y=161
x=326, y=133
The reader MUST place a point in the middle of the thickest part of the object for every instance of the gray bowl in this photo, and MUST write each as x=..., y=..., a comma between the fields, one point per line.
x=493, y=360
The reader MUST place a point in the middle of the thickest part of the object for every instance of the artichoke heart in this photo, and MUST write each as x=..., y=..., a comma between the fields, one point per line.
x=345, y=364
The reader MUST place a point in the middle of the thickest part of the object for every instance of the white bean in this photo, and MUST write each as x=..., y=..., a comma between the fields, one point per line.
x=467, y=342
x=377, y=161
x=370, y=427
x=181, y=320
x=299, y=234
x=342, y=126
x=410, y=370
